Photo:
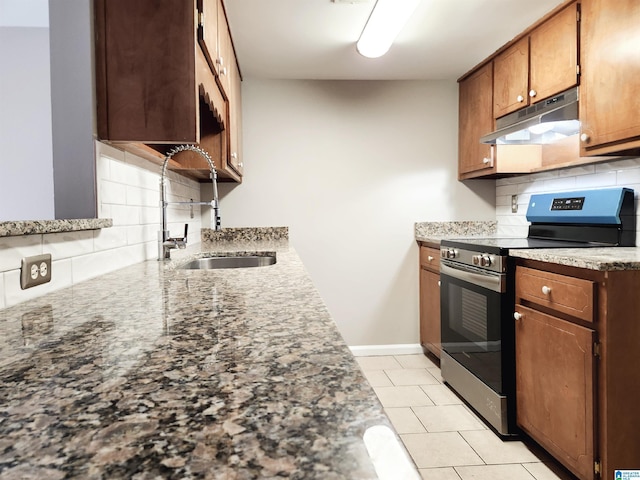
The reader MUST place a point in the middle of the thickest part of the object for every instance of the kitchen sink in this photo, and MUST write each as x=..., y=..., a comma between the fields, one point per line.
x=244, y=261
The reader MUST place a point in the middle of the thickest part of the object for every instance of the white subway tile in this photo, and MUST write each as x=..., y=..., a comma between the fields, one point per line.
x=60, y=278
x=142, y=233
x=510, y=189
x=13, y=249
x=578, y=170
x=559, y=184
x=152, y=216
x=628, y=177
x=109, y=238
x=142, y=196
x=120, y=172
x=103, y=168
x=597, y=180
x=105, y=150
x=89, y=266
x=68, y=244
x=125, y=214
x=618, y=165
x=112, y=193
x=512, y=231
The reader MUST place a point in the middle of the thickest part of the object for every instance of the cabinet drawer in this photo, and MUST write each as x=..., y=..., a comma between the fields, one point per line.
x=569, y=295
x=430, y=259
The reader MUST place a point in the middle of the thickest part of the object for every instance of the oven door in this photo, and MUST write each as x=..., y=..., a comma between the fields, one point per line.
x=475, y=314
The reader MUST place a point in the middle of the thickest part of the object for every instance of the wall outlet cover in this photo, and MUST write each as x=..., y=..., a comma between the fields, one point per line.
x=35, y=270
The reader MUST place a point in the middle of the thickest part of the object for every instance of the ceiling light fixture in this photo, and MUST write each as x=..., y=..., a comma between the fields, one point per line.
x=385, y=23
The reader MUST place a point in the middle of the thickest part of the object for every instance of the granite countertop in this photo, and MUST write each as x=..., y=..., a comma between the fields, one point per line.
x=157, y=372
x=37, y=227
x=604, y=259
x=434, y=232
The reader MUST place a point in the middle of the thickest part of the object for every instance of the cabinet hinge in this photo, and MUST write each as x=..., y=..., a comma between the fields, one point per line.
x=578, y=15
x=578, y=70
x=597, y=467
x=596, y=349
x=201, y=19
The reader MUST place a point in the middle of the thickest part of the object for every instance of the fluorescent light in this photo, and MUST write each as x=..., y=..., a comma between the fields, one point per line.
x=385, y=23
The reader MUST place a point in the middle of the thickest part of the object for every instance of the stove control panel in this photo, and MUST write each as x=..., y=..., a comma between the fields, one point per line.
x=475, y=259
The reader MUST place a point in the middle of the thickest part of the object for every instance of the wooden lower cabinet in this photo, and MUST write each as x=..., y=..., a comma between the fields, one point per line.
x=430, y=300
x=555, y=387
x=577, y=367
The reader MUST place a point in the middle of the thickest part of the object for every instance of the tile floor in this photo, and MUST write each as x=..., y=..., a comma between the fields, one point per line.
x=446, y=440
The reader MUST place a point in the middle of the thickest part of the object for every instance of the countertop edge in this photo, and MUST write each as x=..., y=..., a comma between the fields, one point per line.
x=40, y=227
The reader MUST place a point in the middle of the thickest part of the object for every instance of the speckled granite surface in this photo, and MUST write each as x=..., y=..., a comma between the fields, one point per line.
x=609, y=258
x=35, y=227
x=436, y=231
x=157, y=372
x=245, y=234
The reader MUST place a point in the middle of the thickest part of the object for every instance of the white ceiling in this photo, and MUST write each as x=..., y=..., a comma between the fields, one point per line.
x=315, y=39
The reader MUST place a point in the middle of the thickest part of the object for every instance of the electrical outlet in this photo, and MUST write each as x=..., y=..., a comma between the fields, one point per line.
x=35, y=270
x=514, y=203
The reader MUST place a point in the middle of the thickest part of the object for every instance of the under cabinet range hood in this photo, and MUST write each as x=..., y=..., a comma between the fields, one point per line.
x=544, y=122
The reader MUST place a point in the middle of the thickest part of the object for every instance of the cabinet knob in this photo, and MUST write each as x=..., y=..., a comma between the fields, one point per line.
x=546, y=290
x=584, y=137
x=486, y=160
x=234, y=155
x=429, y=258
x=517, y=316
x=520, y=98
x=438, y=282
x=241, y=164
x=532, y=93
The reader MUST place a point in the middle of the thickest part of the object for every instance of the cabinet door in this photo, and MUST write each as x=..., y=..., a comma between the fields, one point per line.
x=208, y=29
x=555, y=387
x=145, y=71
x=511, y=79
x=235, y=118
x=554, y=55
x=475, y=120
x=610, y=90
x=430, y=311
x=225, y=49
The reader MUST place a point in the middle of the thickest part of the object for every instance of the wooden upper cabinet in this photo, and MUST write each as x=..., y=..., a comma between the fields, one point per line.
x=475, y=119
x=554, y=55
x=156, y=84
x=145, y=71
x=610, y=89
x=511, y=79
x=539, y=65
x=235, y=118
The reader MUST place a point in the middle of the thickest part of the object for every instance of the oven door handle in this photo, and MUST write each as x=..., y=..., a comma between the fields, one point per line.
x=492, y=282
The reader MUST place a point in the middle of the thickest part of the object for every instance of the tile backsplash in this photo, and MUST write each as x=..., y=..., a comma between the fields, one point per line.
x=129, y=193
x=617, y=173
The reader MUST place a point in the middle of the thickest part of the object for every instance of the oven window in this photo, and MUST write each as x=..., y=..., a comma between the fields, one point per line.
x=472, y=328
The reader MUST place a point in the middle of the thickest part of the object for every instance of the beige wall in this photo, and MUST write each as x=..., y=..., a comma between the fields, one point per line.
x=349, y=167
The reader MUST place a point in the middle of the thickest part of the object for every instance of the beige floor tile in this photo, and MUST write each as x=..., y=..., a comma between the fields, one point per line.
x=378, y=362
x=377, y=378
x=435, y=371
x=404, y=420
x=411, y=376
x=448, y=473
x=494, y=450
x=410, y=396
x=494, y=472
x=446, y=449
x=544, y=471
x=415, y=361
x=447, y=418
x=441, y=395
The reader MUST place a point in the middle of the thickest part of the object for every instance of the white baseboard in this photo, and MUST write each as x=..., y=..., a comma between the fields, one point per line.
x=397, y=349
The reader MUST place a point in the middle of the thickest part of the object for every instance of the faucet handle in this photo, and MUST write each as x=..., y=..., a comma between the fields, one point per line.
x=186, y=229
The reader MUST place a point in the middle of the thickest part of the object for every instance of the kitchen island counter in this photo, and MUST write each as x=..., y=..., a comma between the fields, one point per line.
x=158, y=372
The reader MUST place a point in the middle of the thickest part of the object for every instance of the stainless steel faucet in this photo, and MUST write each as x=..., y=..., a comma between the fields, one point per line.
x=165, y=242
